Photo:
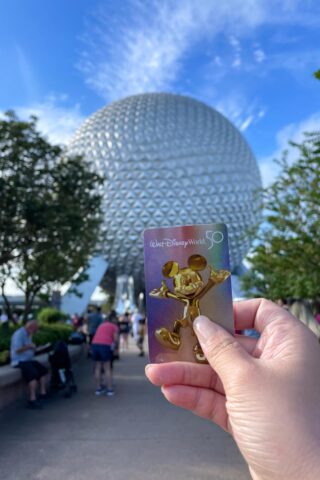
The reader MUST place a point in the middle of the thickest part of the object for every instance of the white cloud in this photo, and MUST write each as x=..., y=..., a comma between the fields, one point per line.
x=144, y=46
x=236, y=46
x=237, y=62
x=259, y=55
x=246, y=123
x=56, y=120
x=234, y=42
x=295, y=132
x=144, y=51
x=239, y=110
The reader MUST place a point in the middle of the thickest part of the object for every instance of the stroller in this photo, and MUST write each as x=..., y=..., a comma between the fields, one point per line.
x=61, y=370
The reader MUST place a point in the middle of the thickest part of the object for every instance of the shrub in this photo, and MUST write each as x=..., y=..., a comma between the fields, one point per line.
x=5, y=337
x=4, y=357
x=51, y=315
x=52, y=333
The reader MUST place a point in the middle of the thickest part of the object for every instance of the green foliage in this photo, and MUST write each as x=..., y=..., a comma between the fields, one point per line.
x=51, y=315
x=50, y=213
x=285, y=261
x=4, y=357
x=317, y=74
x=5, y=336
x=52, y=333
x=23, y=156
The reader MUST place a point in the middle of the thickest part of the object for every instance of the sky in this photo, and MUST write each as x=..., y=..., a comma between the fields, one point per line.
x=252, y=60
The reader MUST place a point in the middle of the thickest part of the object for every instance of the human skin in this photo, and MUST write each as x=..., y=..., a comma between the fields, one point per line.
x=265, y=392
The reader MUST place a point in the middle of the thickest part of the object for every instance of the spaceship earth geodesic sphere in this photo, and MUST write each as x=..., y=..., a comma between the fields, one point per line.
x=168, y=160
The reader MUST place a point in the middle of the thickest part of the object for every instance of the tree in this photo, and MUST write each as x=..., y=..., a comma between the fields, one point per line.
x=50, y=209
x=22, y=152
x=285, y=260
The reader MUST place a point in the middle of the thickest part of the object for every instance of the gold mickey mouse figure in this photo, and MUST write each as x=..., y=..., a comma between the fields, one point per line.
x=188, y=288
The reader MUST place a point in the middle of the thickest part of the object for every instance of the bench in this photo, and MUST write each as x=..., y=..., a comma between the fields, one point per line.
x=12, y=386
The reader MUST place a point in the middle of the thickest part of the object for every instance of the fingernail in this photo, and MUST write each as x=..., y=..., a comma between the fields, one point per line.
x=204, y=328
x=146, y=368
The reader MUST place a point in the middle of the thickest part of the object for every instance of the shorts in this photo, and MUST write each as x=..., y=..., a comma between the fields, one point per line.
x=32, y=370
x=125, y=331
x=101, y=353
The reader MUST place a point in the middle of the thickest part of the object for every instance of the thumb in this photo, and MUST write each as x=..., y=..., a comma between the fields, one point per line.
x=223, y=352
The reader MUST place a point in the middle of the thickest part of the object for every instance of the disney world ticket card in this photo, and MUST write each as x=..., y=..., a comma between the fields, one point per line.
x=187, y=273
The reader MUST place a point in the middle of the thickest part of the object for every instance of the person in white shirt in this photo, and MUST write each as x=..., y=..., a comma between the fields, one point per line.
x=138, y=330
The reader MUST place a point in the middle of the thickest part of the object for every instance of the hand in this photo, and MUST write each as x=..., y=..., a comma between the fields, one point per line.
x=32, y=346
x=265, y=392
x=160, y=292
x=218, y=276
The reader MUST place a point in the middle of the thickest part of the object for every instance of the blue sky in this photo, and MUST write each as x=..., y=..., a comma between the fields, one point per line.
x=252, y=60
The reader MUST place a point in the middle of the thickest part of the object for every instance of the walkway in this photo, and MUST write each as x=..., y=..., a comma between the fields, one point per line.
x=135, y=435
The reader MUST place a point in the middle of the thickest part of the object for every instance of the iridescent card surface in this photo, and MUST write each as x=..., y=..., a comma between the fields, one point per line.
x=187, y=273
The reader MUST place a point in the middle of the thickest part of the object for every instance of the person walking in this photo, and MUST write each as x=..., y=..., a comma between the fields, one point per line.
x=113, y=318
x=138, y=330
x=124, y=326
x=94, y=320
x=101, y=348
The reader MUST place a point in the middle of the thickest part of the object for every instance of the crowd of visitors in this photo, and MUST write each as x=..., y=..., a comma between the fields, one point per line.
x=217, y=391
x=108, y=335
x=105, y=336
x=133, y=324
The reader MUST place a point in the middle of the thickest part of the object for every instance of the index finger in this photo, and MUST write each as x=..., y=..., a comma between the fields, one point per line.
x=257, y=313
x=184, y=373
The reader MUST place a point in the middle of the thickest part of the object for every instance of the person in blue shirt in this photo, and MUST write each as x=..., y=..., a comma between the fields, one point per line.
x=22, y=352
x=94, y=320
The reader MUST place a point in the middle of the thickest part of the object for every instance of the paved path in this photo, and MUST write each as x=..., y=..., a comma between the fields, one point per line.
x=135, y=435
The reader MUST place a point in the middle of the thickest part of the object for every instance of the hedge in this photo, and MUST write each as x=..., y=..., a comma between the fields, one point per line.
x=5, y=337
x=52, y=333
x=51, y=315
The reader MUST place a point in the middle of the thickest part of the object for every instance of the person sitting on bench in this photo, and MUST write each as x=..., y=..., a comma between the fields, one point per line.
x=22, y=353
